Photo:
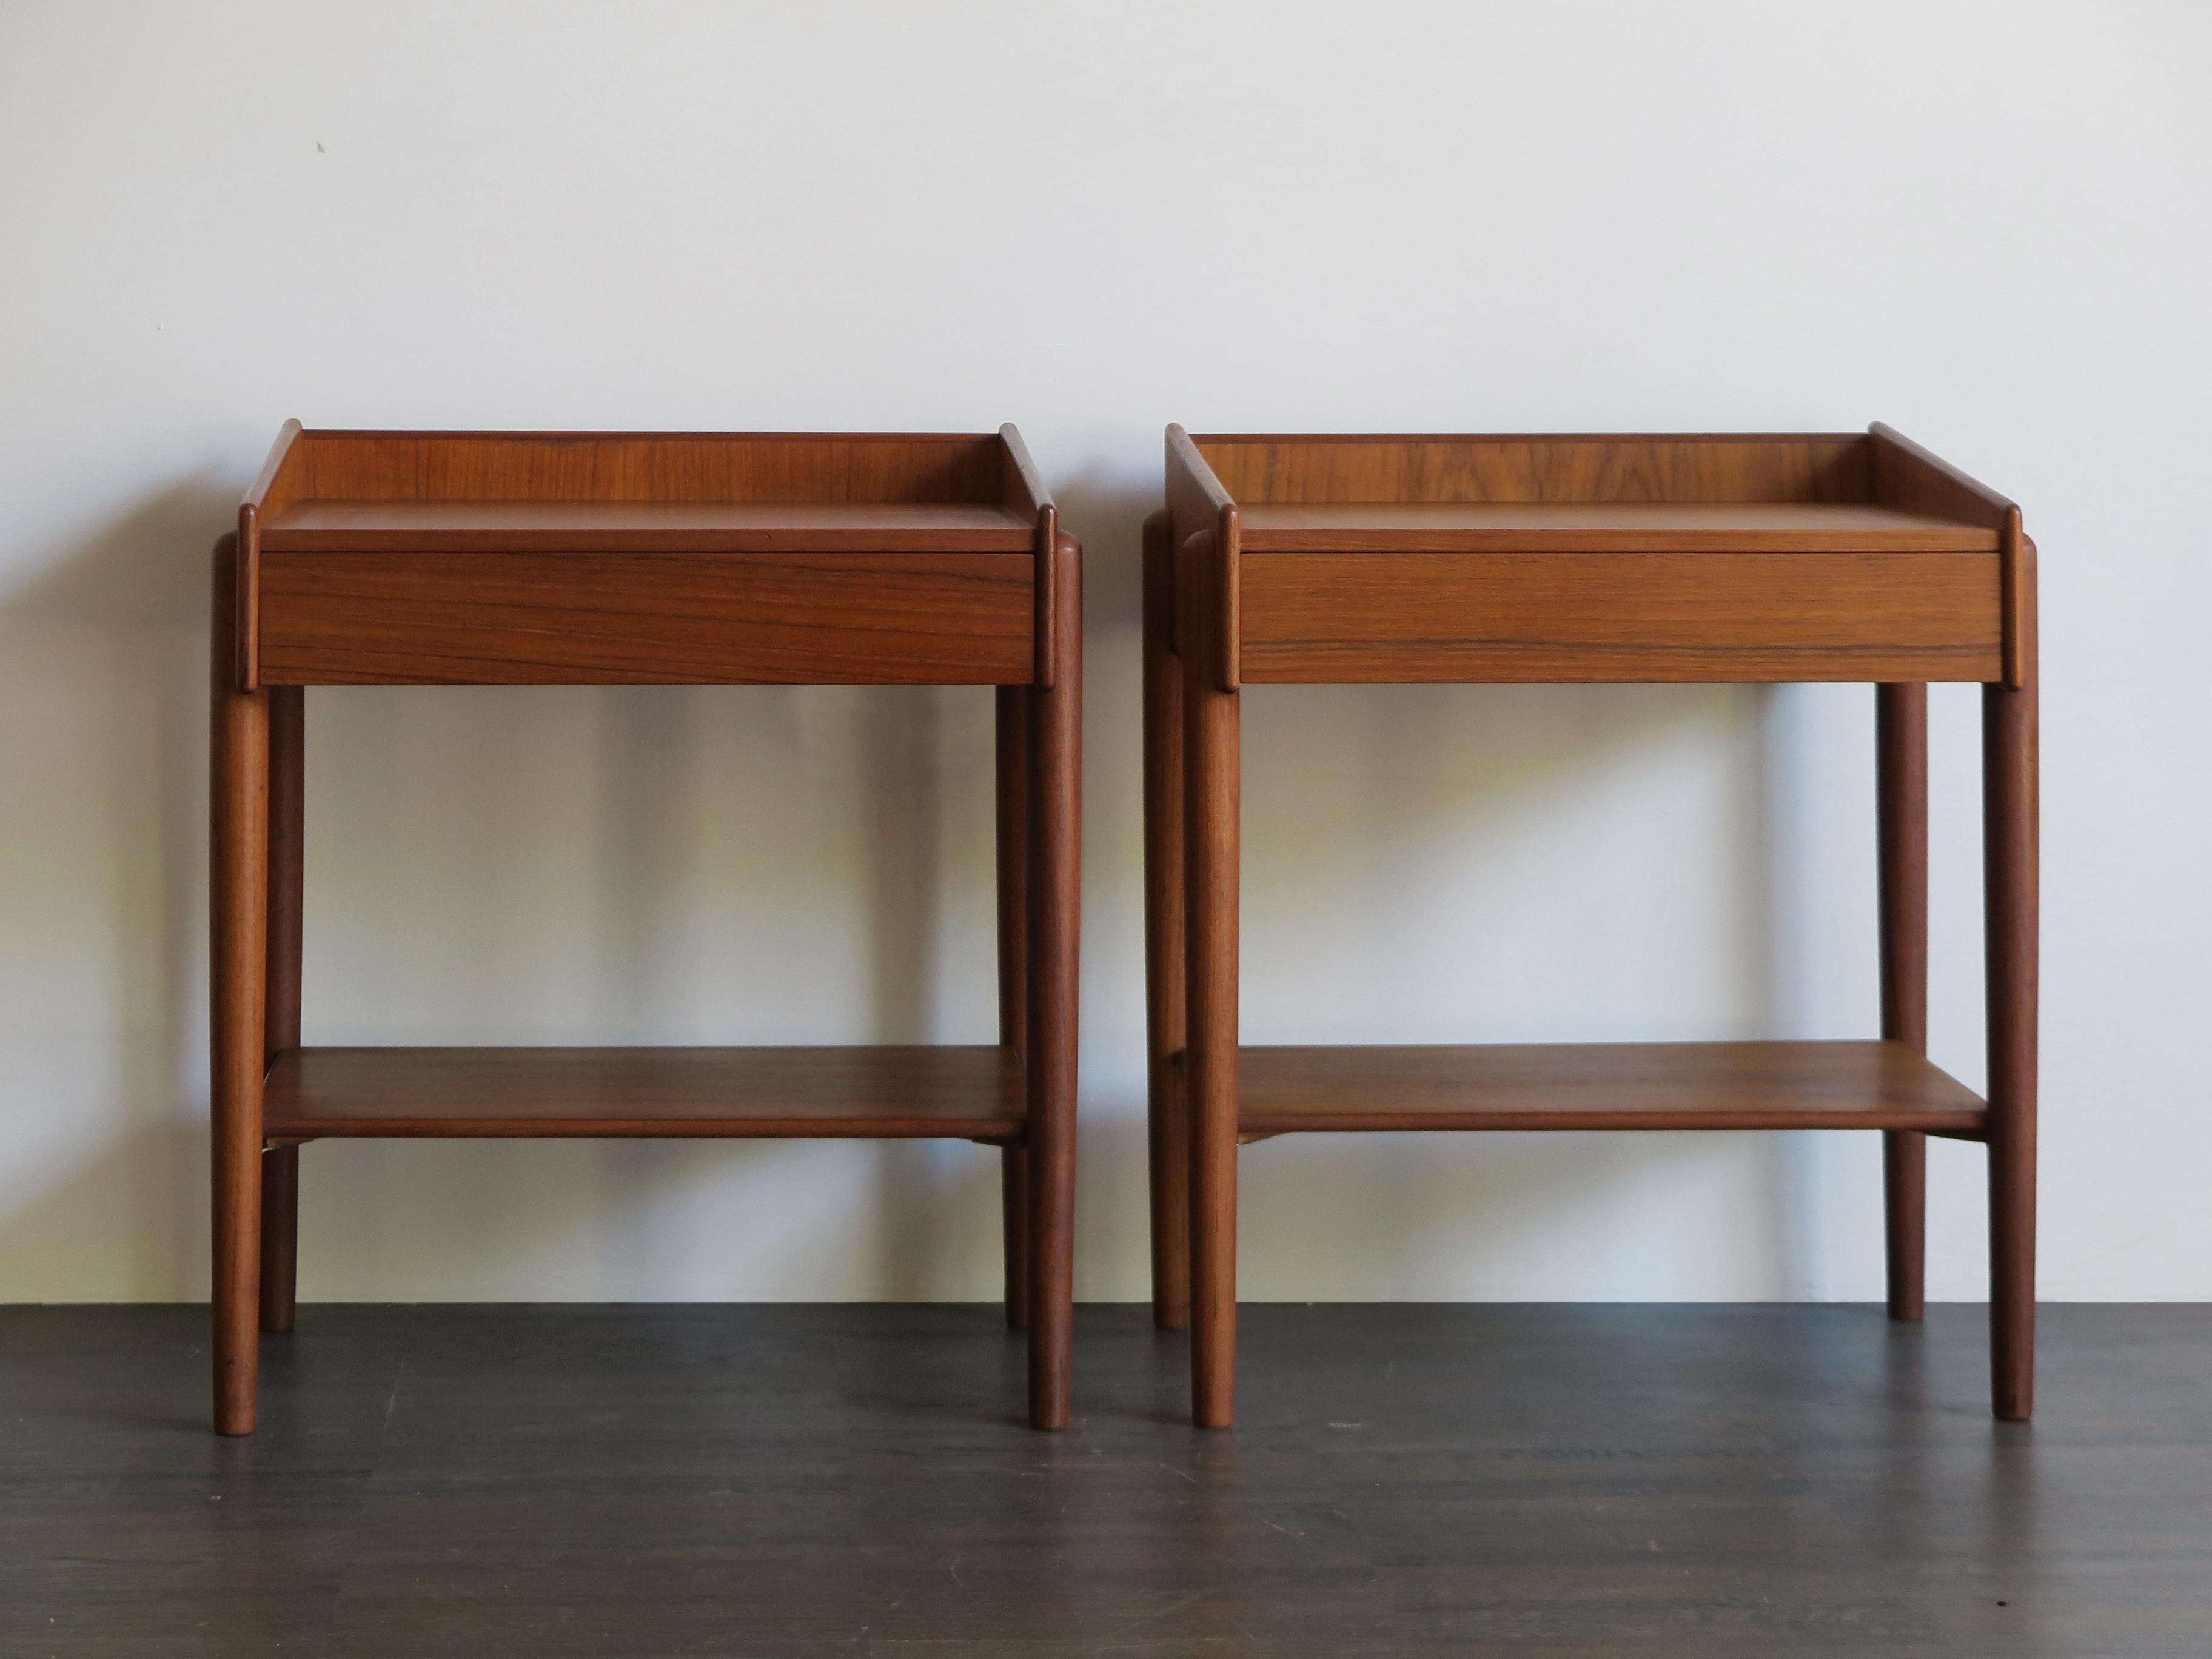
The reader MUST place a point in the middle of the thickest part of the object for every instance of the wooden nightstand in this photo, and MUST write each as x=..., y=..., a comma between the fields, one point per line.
x=1344, y=559
x=423, y=558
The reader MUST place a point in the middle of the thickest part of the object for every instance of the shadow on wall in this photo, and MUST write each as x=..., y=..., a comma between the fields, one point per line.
x=1355, y=799
x=103, y=669
x=733, y=864
x=1445, y=863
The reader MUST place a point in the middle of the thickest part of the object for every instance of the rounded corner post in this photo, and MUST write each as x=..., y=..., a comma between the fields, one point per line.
x=1047, y=596
x=1211, y=763
x=1166, y=1116
x=2016, y=578
x=1230, y=602
x=238, y=889
x=246, y=599
x=1010, y=770
x=280, y=1164
x=1054, y=865
x=2010, y=809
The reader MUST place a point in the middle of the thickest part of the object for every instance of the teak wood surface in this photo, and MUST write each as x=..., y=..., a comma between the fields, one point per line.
x=1601, y=1085
x=602, y=558
x=1336, y=559
x=975, y=1093
x=595, y=558
x=1581, y=559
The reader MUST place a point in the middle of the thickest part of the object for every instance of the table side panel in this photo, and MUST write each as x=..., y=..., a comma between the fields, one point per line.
x=399, y=617
x=1636, y=617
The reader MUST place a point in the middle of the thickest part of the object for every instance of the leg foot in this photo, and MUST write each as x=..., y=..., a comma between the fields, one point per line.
x=1904, y=1200
x=1014, y=1200
x=280, y=1234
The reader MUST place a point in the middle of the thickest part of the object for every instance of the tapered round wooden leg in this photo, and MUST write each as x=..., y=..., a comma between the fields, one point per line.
x=2008, y=728
x=2011, y=923
x=280, y=1234
x=1056, y=714
x=1167, y=1118
x=1014, y=1203
x=239, y=874
x=1012, y=769
x=280, y=1167
x=1211, y=741
x=2012, y=1276
x=1901, y=814
x=1904, y=1204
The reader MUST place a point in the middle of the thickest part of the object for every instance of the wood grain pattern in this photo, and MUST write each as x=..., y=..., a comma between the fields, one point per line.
x=343, y=511
x=595, y=527
x=1700, y=617
x=1601, y=1085
x=766, y=468
x=1605, y=527
x=1901, y=832
x=965, y=1092
x=643, y=618
x=1311, y=468
x=238, y=877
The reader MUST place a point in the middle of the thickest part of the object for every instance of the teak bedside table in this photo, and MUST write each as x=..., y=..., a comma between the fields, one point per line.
x=1344, y=559
x=407, y=558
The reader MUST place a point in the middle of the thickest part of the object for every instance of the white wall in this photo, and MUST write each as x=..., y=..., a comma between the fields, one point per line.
x=1986, y=224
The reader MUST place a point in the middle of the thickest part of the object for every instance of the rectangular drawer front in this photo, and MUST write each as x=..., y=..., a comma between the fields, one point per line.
x=1643, y=616
x=403, y=618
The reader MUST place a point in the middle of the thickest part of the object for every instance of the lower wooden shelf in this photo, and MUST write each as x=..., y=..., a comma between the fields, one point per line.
x=958, y=1092
x=1613, y=1085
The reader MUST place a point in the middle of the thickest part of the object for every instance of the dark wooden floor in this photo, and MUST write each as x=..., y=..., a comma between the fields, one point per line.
x=765, y=1481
